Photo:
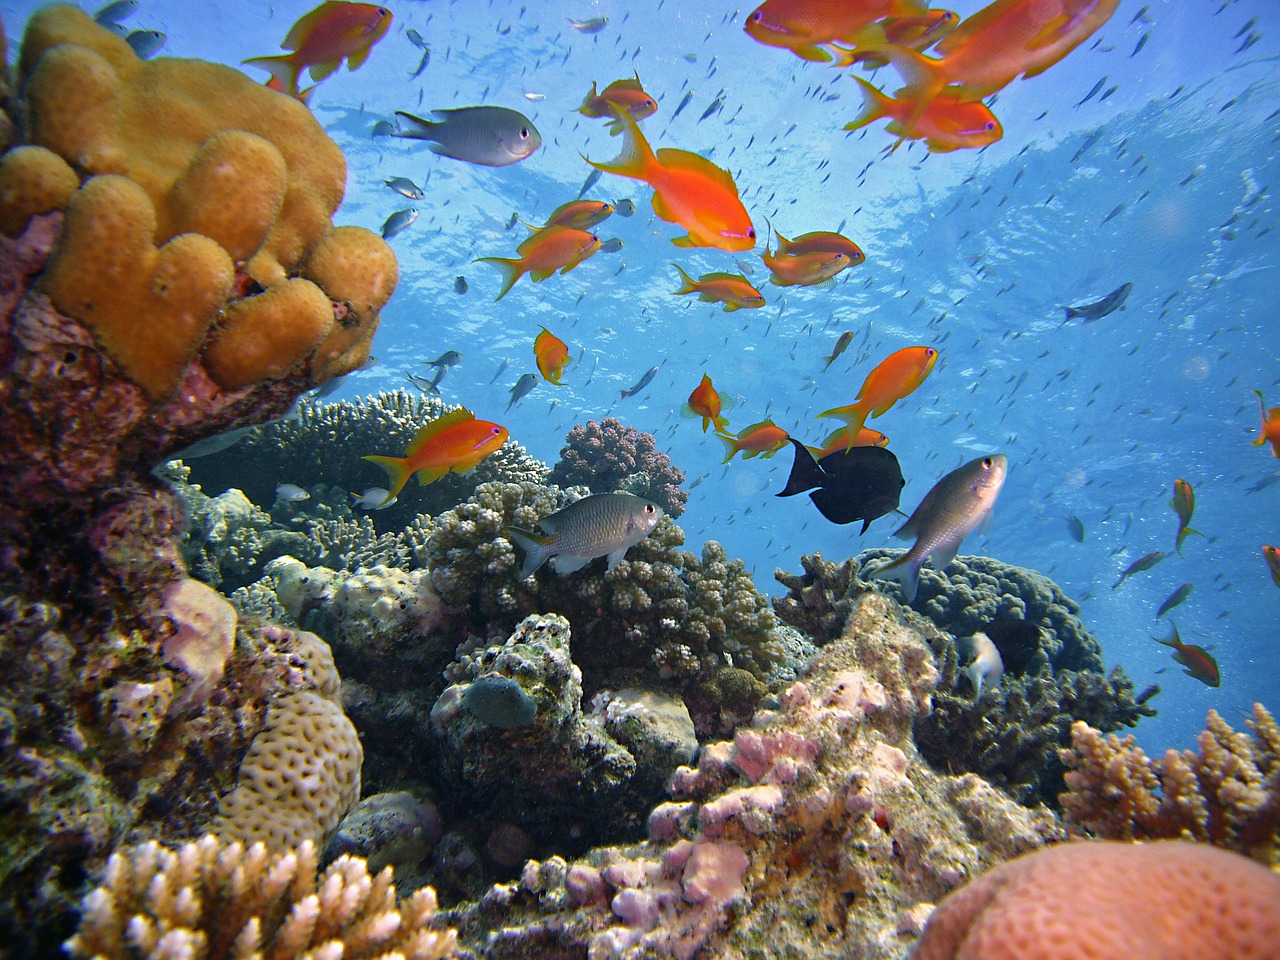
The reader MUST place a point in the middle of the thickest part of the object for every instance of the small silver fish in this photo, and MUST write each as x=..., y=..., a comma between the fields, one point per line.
x=290, y=493
x=405, y=187
x=594, y=25
x=486, y=136
x=592, y=179
x=949, y=512
x=373, y=498
x=460, y=285
x=1178, y=596
x=1097, y=310
x=450, y=358
x=535, y=97
x=641, y=383
x=115, y=12
x=502, y=368
x=521, y=390
x=383, y=128
x=625, y=208
x=422, y=383
x=611, y=246
x=601, y=525
x=1076, y=527
x=145, y=43
x=398, y=221
x=422, y=64
x=416, y=39
x=684, y=102
x=985, y=665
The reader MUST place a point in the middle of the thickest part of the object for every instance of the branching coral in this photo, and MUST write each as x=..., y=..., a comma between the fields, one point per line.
x=216, y=901
x=1226, y=793
x=608, y=457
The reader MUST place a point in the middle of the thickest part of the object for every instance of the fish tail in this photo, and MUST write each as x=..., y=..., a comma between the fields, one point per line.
x=687, y=283
x=730, y=446
x=1182, y=535
x=284, y=67
x=511, y=270
x=721, y=423
x=1071, y=313
x=874, y=106
x=537, y=549
x=398, y=473
x=924, y=79
x=855, y=415
x=903, y=570
x=636, y=159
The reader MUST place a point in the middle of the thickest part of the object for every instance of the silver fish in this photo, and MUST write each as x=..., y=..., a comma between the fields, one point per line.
x=641, y=384
x=373, y=498
x=594, y=25
x=145, y=43
x=601, y=525
x=1112, y=302
x=450, y=358
x=460, y=285
x=383, y=128
x=625, y=208
x=592, y=179
x=115, y=12
x=611, y=246
x=684, y=102
x=398, y=221
x=521, y=390
x=502, y=368
x=949, y=512
x=487, y=136
x=290, y=493
x=405, y=187
x=985, y=665
x=416, y=39
x=422, y=383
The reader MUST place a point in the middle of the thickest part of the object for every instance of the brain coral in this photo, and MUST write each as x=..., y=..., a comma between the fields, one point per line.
x=1170, y=900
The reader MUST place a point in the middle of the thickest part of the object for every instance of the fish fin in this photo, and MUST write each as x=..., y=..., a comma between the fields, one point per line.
x=674, y=159
x=537, y=548
x=902, y=570
x=805, y=472
x=566, y=565
x=319, y=71
x=430, y=475
x=1049, y=33
x=855, y=415
x=874, y=106
x=283, y=67
x=358, y=58
x=417, y=128
x=615, y=558
x=721, y=422
x=450, y=419
x=511, y=272
x=865, y=523
x=685, y=241
x=537, y=276
x=730, y=447
x=730, y=307
x=637, y=159
x=397, y=471
x=727, y=403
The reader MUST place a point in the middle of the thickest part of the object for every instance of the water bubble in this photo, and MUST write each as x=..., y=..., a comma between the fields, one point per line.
x=1196, y=367
x=1076, y=478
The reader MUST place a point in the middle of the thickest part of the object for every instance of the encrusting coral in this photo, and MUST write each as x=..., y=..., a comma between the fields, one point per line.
x=213, y=900
x=609, y=457
x=1226, y=793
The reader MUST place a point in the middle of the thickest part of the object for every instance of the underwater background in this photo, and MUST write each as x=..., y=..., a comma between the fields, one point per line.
x=1148, y=156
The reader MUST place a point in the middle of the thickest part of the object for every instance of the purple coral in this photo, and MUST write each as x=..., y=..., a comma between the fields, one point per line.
x=608, y=457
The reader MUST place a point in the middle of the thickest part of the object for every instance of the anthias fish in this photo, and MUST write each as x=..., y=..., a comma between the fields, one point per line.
x=626, y=94
x=1269, y=430
x=946, y=124
x=601, y=525
x=549, y=250
x=759, y=439
x=552, y=356
x=805, y=26
x=486, y=136
x=958, y=503
x=1090, y=312
x=731, y=289
x=706, y=403
x=1183, y=503
x=861, y=483
x=1272, y=556
x=1199, y=662
x=453, y=443
x=895, y=377
x=323, y=38
x=1143, y=563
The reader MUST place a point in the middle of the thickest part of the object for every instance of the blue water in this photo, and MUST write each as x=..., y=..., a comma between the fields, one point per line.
x=974, y=252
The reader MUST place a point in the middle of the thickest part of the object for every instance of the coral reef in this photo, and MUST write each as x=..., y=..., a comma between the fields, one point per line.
x=1152, y=901
x=217, y=900
x=1226, y=793
x=322, y=444
x=818, y=830
x=387, y=829
x=609, y=457
x=1053, y=669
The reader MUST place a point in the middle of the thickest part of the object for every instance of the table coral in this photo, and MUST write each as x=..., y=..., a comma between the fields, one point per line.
x=219, y=900
x=1226, y=793
x=1158, y=901
x=609, y=457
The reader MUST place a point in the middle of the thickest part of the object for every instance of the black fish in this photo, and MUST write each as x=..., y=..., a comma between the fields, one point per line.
x=1096, y=311
x=861, y=483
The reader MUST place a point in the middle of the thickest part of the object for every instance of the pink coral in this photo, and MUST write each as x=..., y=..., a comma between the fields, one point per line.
x=1170, y=900
x=608, y=456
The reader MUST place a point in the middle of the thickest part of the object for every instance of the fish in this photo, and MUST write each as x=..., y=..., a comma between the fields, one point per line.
x=918, y=33
x=612, y=245
x=502, y=368
x=549, y=250
x=985, y=666
x=115, y=12
x=760, y=439
x=216, y=443
x=601, y=525
x=323, y=38
x=453, y=443
x=803, y=270
x=383, y=128
x=1174, y=599
x=1272, y=556
x=460, y=284
x=422, y=63
x=842, y=344
x=578, y=214
x=450, y=358
x=684, y=102
x=521, y=390
x=400, y=220
x=949, y=512
x=405, y=187
x=1112, y=302
x=804, y=27
x=626, y=94
x=1076, y=527
x=861, y=483
x=552, y=356
x=687, y=189
x=731, y=289
x=373, y=498
x=1142, y=564
x=625, y=208
x=1183, y=503
x=1199, y=662
x=819, y=241
x=713, y=108
x=145, y=43
x=486, y=136
x=895, y=377
x=594, y=25
x=839, y=438
x=947, y=123
x=641, y=383
x=414, y=37
x=423, y=384
x=290, y=493
x=592, y=179
x=706, y=403
x=1269, y=428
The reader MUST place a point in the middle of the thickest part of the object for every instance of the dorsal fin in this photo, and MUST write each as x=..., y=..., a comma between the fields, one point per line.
x=674, y=159
x=438, y=426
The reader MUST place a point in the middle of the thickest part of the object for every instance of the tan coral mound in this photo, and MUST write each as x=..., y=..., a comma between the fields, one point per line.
x=1170, y=900
x=212, y=901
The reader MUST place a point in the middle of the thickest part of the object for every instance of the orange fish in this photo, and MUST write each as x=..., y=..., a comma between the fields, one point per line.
x=687, y=189
x=626, y=95
x=302, y=96
x=1199, y=662
x=947, y=123
x=820, y=241
x=549, y=250
x=897, y=376
x=552, y=355
x=321, y=40
x=918, y=33
x=1272, y=556
x=731, y=289
x=839, y=441
x=760, y=439
x=578, y=214
x=804, y=26
x=453, y=443
x=1269, y=431
x=704, y=402
x=1184, y=505
x=805, y=269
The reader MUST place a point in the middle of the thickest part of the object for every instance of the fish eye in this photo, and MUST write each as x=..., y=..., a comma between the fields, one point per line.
x=991, y=124
x=495, y=431
x=524, y=133
x=756, y=16
x=649, y=508
x=751, y=233
x=986, y=462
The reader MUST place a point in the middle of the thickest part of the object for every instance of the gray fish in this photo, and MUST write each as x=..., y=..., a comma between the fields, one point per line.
x=398, y=221
x=521, y=390
x=115, y=12
x=611, y=246
x=145, y=43
x=1112, y=302
x=601, y=525
x=1174, y=599
x=502, y=368
x=625, y=208
x=1144, y=562
x=986, y=664
x=373, y=498
x=1076, y=526
x=215, y=444
x=716, y=106
x=416, y=39
x=949, y=512
x=290, y=493
x=422, y=383
x=684, y=102
x=487, y=136
x=592, y=179
x=450, y=358
x=594, y=25
x=405, y=187
x=641, y=384
x=460, y=285
x=383, y=128
x=422, y=64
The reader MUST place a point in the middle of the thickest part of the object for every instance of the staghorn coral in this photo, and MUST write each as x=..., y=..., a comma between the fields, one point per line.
x=1053, y=671
x=215, y=900
x=1155, y=901
x=609, y=457
x=1226, y=793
